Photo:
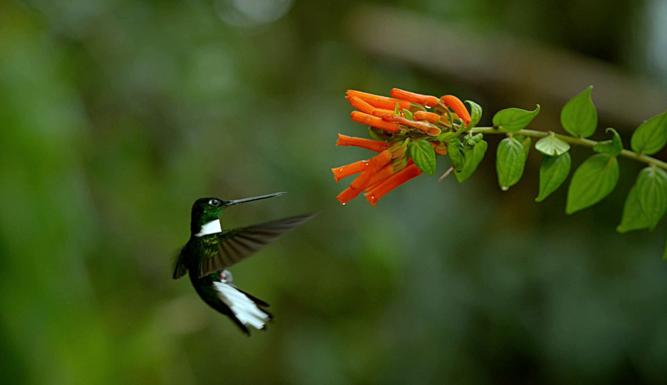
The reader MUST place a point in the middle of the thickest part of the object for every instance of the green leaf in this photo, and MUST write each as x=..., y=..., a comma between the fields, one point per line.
x=651, y=136
x=446, y=136
x=592, y=181
x=553, y=172
x=373, y=134
x=633, y=216
x=579, y=116
x=652, y=194
x=525, y=142
x=551, y=145
x=612, y=146
x=407, y=114
x=472, y=156
x=455, y=152
x=423, y=154
x=664, y=253
x=510, y=162
x=514, y=119
x=475, y=113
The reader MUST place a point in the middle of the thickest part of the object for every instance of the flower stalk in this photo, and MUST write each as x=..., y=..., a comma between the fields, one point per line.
x=575, y=141
x=412, y=129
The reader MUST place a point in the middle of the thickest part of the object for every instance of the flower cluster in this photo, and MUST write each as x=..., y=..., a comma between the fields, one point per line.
x=408, y=130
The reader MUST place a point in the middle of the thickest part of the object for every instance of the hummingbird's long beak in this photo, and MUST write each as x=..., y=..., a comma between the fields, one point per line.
x=245, y=200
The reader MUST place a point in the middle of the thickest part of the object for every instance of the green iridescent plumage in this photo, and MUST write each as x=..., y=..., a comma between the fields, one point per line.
x=212, y=249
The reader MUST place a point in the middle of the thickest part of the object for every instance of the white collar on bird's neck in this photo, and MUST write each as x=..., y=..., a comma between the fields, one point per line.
x=212, y=227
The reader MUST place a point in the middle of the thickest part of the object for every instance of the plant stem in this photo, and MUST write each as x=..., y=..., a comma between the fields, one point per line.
x=576, y=141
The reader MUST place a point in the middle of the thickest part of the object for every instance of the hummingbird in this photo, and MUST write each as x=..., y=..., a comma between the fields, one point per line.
x=211, y=250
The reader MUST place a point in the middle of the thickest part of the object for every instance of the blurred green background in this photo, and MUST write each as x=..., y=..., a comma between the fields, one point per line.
x=115, y=115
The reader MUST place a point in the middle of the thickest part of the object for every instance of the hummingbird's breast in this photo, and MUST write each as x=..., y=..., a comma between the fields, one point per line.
x=209, y=228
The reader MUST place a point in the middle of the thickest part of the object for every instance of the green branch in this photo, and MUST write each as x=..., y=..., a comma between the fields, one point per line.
x=573, y=140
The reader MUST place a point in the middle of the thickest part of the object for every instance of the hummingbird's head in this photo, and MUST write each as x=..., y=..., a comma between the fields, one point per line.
x=205, y=210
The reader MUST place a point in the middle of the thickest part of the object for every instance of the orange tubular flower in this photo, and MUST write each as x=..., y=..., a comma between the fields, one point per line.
x=456, y=105
x=426, y=100
x=369, y=144
x=424, y=127
x=428, y=116
x=378, y=191
x=382, y=174
x=360, y=104
x=375, y=164
x=382, y=113
x=386, y=171
x=379, y=101
x=374, y=121
x=359, y=183
x=349, y=169
x=402, y=118
x=347, y=195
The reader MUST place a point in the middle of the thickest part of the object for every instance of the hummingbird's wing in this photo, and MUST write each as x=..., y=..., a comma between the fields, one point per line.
x=180, y=268
x=235, y=245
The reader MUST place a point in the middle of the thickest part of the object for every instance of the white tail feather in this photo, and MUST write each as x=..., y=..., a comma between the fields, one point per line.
x=243, y=307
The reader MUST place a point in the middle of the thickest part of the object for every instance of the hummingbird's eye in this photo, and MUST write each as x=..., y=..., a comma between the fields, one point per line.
x=214, y=202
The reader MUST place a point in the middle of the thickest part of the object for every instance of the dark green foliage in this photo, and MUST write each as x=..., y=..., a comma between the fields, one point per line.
x=612, y=146
x=475, y=112
x=592, y=181
x=553, y=172
x=514, y=119
x=633, y=217
x=422, y=153
x=652, y=194
x=597, y=177
x=650, y=136
x=510, y=162
x=579, y=116
x=455, y=153
x=647, y=201
x=552, y=146
x=472, y=157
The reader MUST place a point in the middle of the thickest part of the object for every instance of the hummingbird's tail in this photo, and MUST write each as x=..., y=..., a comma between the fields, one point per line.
x=246, y=309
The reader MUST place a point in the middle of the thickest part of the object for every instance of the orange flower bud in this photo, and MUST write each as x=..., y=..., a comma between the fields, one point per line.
x=456, y=105
x=373, y=145
x=382, y=113
x=374, y=121
x=387, y=171
x=347, y=195
x=377, y=192
x=428, y=116
x=384, y=173
x=425, y=127
x=379, y=101
x=426, y=100
x=375, y=164
x=440, y=148
x=349, y=169
x=360, y=182
x=360, y=104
